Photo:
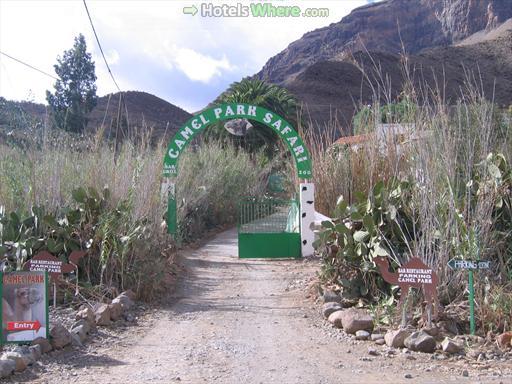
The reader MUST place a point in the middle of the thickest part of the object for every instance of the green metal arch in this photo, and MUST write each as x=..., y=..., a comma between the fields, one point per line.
x=195, y=125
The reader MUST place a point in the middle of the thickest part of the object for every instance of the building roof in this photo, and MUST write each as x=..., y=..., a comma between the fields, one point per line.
x=351, y=140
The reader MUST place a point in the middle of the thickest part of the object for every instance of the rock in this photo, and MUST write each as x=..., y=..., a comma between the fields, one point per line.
x=75, y=340
x=504, y=340
x=116, y=310
x=449, y=326
x=60, y=336
x=20, y=360
x=362, y=335
x=330, y=296
x=129, y=317
x=380, y=342
x=87, y=314
x=35, y=351
x=432, y=331
x=376, y=336
x=43, y=343
x=396, y=338
x=354, y=320
x=373, y=352
x=420, y=342
x=83, y=323
x=465, y=373
x=81, y=331
x=450, y=346
x=408, y=376
x=329, y=308
x=335, y=319
x=124, y=300
x=102, y=314
x=7, y=367
x=130, y=294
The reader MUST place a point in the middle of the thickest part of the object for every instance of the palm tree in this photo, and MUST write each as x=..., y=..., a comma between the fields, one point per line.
x=269, y=96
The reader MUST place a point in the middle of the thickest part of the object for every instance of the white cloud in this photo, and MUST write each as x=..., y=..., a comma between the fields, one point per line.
x=212, y=51
x=199, y=67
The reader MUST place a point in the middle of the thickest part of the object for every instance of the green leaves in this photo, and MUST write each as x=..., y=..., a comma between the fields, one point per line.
x=361, y=236
x=364, y=230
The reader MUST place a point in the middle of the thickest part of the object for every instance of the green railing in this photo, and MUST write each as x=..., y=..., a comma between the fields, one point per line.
x=268, y=216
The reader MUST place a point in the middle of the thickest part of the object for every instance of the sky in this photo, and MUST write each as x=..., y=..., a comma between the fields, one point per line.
x=150, y=46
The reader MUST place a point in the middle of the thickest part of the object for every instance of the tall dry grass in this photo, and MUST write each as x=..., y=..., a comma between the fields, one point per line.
x=444, y=156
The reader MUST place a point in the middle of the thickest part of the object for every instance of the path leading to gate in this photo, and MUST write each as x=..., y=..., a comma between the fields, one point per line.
x=246, y=321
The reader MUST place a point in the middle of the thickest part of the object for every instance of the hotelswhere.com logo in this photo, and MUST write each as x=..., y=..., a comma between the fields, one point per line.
x=253, y=8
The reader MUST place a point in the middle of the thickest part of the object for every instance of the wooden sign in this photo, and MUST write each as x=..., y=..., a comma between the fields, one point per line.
x=413, y=274
x=45, y=261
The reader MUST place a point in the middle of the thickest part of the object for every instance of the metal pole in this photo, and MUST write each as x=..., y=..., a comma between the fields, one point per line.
x=471, y=303
x=55, y=295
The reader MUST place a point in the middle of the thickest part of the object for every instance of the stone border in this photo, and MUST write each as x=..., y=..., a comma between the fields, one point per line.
x=87, y=319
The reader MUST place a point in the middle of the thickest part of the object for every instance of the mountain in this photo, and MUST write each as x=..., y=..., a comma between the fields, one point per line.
x=388, y=26
x=141, y=110
x=332, y=90
x=444, y=40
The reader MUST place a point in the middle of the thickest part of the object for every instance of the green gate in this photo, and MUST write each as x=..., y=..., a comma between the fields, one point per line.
x=268, y=228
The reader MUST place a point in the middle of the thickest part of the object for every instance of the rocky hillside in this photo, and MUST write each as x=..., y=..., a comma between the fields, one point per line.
x=334, y=89
x=384, y=26
x=142, y=111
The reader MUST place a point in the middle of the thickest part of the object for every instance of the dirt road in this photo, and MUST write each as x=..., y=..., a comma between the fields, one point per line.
x=246, y=321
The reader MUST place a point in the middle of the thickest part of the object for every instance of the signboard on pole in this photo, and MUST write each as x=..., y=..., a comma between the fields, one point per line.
x=24, y=306
x=469, y=264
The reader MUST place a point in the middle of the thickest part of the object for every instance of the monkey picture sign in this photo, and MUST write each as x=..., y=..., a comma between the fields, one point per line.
x=24, y=306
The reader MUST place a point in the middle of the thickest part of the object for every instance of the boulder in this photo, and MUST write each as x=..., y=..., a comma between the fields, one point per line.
x=102, y=314
x=125, y=301
x=82, y=323
x=7, y=367
x=75, y=340
x=504, y=340
x=335, y=319
x=116, y=310
x=44, y=343
x=396, y=338
x=80, y=331
x=130, y=294
x=450, y=346
x=330, y=296
x=60, y=336
x=35, y=351
x=329, y=308
x=362, y=335
x=354, y=320
x=21, y=361
x=421, y=342
x=87, y=314
x=376, y=336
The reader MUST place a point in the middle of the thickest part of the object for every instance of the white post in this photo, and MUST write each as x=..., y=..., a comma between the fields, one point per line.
x=307, y=217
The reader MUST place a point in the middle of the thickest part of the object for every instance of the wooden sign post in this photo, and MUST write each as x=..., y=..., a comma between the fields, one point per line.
x=45, y=261
x=413, y=274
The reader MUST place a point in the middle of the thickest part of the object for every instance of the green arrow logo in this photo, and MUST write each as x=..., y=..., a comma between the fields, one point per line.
x=190, y=10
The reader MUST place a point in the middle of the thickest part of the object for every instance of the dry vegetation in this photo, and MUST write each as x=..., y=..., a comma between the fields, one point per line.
x=456, y=161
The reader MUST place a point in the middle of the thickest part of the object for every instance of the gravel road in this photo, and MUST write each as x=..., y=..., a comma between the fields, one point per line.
x=248, y=321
